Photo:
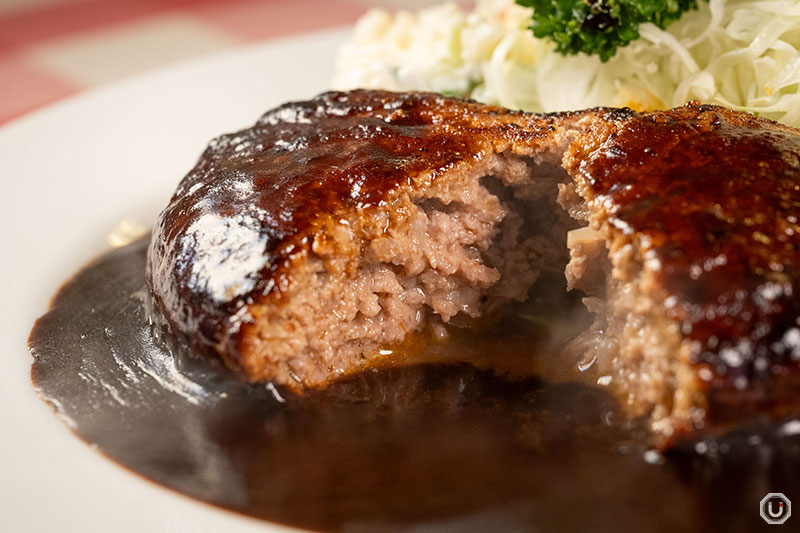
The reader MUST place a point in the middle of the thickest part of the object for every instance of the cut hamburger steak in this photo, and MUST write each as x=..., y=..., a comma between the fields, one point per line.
x=306, y=247
x=332, y=228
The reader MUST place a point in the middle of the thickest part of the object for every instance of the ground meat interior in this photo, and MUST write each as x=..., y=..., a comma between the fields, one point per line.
x=631, y=345
x=462, y=248
x=455, y=254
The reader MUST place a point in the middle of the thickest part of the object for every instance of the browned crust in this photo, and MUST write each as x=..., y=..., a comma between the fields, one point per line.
x=303, y=164
x=710, y=198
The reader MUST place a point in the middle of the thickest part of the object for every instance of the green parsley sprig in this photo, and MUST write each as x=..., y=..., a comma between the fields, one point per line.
x=599, y=26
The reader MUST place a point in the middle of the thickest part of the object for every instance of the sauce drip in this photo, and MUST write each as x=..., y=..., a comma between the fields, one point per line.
x=440, y=446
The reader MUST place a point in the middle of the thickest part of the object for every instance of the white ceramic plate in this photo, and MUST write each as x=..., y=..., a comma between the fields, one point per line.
x=69, y=175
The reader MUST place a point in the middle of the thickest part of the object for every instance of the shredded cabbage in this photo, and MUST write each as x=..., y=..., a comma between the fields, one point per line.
x=743, y=54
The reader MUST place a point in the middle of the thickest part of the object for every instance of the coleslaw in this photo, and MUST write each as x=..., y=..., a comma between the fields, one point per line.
x=744, y=54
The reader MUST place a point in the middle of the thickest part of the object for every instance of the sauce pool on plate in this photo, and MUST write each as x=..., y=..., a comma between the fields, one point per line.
x=439, y=446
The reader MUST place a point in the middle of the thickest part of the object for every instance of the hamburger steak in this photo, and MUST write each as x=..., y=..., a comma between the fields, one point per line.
x=306, y=247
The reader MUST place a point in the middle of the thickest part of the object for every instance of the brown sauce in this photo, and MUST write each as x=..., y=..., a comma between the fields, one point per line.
x=440, y=446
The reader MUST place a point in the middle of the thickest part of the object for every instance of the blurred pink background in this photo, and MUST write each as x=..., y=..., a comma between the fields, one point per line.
x=50, y=49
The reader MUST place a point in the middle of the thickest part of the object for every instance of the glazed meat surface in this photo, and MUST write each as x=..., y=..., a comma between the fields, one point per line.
x=700, y=207
x=310, y=245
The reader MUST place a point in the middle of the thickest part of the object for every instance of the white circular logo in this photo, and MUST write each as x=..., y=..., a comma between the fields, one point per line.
x=776, y=508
